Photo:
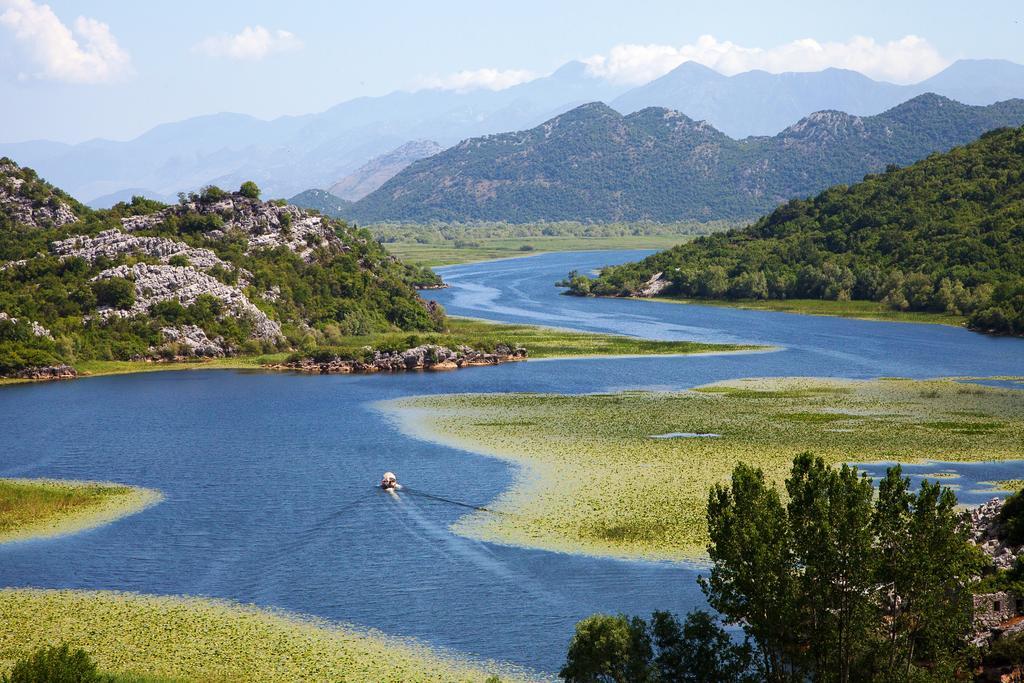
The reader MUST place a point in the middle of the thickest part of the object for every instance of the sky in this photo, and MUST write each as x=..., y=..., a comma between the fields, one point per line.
x=76, y=70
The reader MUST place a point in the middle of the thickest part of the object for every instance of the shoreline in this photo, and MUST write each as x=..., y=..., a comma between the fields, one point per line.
x=117, y=501
x=542, y=343
x=780, y=306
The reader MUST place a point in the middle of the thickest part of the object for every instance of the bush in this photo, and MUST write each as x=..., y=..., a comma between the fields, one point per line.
x=212, y=193
x=115, y=292
x=56, y=665
x=1011, y=519
x=249, y=189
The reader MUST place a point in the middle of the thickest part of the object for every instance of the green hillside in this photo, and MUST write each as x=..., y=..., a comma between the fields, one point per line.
x=217, y=274
x=594, y=164
x=945, y=234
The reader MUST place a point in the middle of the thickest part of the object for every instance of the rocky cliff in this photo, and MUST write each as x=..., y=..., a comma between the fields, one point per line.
x=218, y=273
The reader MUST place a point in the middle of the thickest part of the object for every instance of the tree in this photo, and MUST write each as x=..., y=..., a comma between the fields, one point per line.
x=616, y=649
x=700, y=651
x=829, y=515
x=836, y=587
x=249, y=189
x=753, y=575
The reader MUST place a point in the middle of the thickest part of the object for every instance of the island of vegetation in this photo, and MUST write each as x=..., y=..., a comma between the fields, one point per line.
x=628, y=474
x=158, y=638
x=40, y=508
x=942, y=235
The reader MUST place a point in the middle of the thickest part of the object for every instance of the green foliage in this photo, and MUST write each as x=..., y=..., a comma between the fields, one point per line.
x=1011, y=519
x=1006, y=652
x=349, y=286
x=593, y=164
x=609, y=648
x=942, y=235
x=55, y=665
x=630, y=650
x=249, y=189
x=835, y=586
x=114, y=292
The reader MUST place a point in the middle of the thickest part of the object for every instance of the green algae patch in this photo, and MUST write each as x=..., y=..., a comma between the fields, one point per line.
x=594, y=481
x=193, y=639
x=41, y=508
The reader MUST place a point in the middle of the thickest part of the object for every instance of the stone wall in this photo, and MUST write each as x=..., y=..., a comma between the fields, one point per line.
x=992, y=609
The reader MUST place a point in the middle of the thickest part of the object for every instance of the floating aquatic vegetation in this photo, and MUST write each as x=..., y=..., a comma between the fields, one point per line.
x=685, y=435
x=34, y=508
x=595, y=481
x=194, y=639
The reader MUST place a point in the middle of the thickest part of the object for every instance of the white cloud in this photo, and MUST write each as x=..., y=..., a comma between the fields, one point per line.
x=478, y=79
x=86, y=53
x=251, y=43
x=907, y=60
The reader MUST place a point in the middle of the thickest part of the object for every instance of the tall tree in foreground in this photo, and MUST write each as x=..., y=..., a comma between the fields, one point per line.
x=835, y=587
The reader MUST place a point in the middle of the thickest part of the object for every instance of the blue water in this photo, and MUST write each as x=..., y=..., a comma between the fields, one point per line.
x=269, y=478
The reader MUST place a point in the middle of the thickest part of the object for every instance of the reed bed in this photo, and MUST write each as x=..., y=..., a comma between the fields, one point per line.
x=40, y=508
x=594, y=481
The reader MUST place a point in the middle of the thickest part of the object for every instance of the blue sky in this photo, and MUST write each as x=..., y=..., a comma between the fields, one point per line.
x=126, y=66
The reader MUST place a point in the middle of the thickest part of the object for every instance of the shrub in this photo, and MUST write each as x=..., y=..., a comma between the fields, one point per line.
x=1011, y=519
x=115, y=292
x=56, y=665
x=249, y=189
x=212, y=193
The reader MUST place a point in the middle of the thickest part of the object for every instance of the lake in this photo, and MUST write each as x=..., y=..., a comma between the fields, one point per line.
x=269, y=478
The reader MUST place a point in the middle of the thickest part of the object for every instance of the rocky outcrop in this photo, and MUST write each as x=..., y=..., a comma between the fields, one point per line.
x=113, y=243
x=266, y=225
x=36, y=329
x=36, y=209
x=190, y=341
x=654, y=286
x=47, y=373
x=185, y=285
x=424, y=357
x=982, y=523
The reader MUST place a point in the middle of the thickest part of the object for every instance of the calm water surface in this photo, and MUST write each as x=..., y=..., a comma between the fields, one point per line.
x=269, y=478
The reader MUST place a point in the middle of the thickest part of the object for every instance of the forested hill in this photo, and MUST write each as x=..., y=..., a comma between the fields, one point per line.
x=945, y=234
x=593, y=164
x=219, y=273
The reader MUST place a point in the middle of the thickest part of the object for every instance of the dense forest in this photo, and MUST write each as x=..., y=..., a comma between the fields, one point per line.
x=219, y=273
x=945, y=234
x=593, y=164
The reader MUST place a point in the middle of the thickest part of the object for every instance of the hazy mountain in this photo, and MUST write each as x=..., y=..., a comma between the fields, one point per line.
x=379, y=170
x=293, y=153
x=323, y=202
x=760, y=103
x=593, y=163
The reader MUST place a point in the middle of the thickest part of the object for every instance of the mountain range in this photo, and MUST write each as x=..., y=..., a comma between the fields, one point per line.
x=293, y=153
x=595, y=164
x=381, y=169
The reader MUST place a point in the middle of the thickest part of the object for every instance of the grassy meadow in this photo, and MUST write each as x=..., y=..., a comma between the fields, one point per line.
x=156, y=638
x=446, y=253
x=595, y=481
x=35, y=508
x=865, y=310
